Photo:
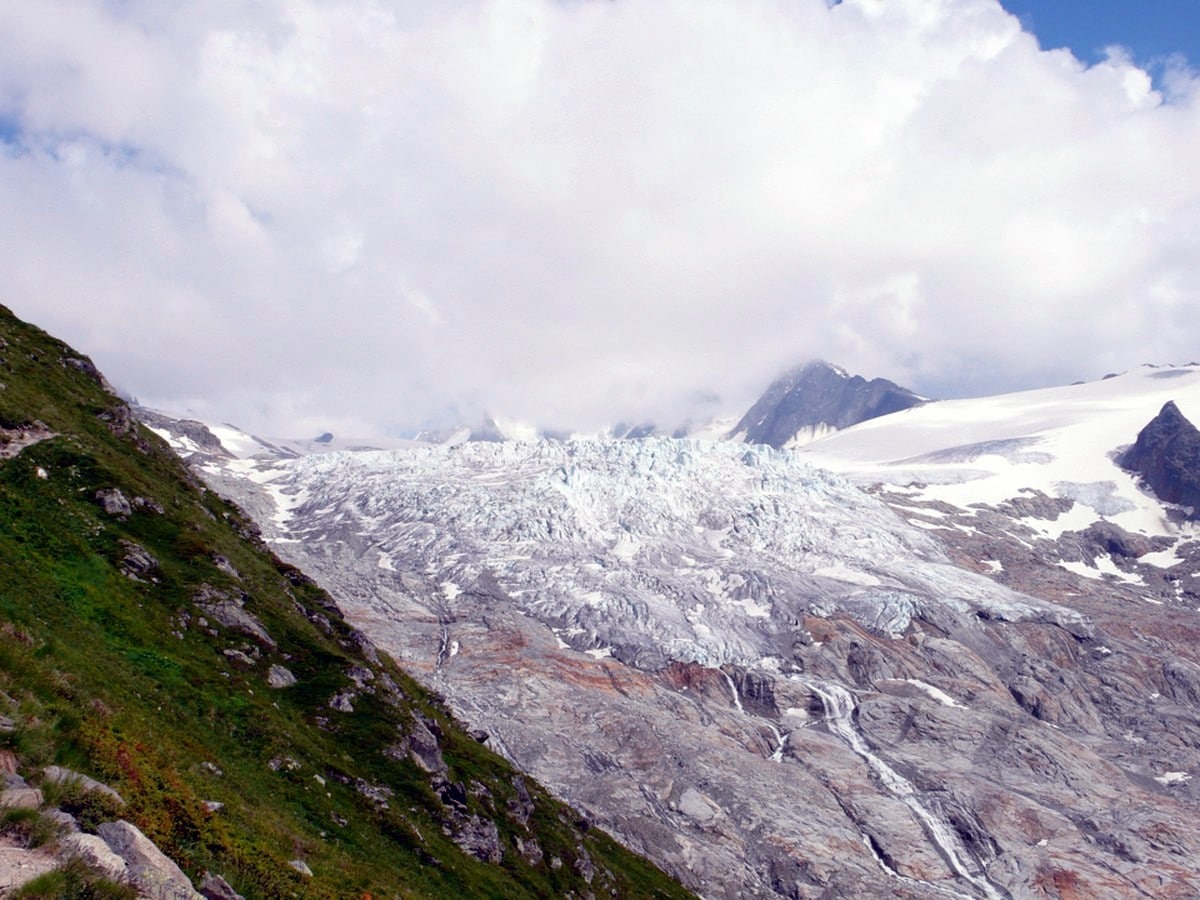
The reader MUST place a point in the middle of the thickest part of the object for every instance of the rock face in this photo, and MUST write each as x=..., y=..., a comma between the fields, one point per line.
x=196, y=433
x=816, y=399
x=1167, y=457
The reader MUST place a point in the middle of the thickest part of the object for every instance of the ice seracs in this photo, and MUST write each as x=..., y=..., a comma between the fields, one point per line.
x=655, y=550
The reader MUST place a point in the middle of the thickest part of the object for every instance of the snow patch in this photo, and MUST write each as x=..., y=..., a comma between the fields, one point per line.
x=840, y=572
x=1163, y=559
x=1104, y=566
x=929, y=690
x=1168, y=778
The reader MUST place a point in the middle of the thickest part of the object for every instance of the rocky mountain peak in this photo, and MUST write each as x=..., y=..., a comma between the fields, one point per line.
x=1167, y=457
x=815, y=399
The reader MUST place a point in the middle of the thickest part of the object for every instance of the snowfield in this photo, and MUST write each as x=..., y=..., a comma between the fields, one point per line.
x=1060, y=441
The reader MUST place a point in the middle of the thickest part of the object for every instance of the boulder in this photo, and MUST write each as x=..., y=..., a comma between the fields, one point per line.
x=20, y=798
x=237, y=656
x=150, y=870
x=520, y=807
x=137, y=562
x=214, y=887
x=279, y=677
x=361, y=676
x=18, y=865
x=93, y=850
x=66, y=822
x=231, y=613
x=480, y=838
x=59, y=775
x=114, y=503
x=423, y=747
x=530, y=851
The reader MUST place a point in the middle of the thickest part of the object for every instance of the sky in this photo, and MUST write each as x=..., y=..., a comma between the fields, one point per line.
x=1150, y=31
x=367, y=216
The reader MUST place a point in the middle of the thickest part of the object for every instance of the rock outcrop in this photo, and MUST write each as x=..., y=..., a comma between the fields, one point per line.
x=150, y=870
x=1167, y=457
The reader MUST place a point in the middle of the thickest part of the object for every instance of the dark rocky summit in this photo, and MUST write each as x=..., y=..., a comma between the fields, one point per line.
x=817, y=398
x=1167, y=457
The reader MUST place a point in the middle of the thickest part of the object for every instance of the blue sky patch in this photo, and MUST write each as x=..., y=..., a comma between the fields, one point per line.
x=1152, y=30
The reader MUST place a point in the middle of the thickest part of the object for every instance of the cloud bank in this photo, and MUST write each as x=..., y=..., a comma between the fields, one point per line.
x=365, y=215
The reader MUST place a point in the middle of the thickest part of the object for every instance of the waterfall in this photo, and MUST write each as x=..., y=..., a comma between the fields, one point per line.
x=839, y=711
x=737, y=700
x=777, y=753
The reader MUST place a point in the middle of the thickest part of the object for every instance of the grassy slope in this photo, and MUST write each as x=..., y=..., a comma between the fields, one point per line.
x=118, y=678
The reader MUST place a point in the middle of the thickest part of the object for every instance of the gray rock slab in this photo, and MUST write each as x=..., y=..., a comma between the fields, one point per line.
x=154, y=874
x=59, y=775
x=96, y=853
x=20, y=798
x=214, y=887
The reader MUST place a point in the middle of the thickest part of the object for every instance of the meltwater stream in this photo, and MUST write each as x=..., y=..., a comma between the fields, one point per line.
x=839, y=710
x=777, y=753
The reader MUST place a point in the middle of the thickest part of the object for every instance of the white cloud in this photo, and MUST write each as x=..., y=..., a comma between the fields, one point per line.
x=360, y=214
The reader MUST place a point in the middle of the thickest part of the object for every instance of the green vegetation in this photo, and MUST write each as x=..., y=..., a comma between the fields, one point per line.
x=122, y=655
x=74, y=881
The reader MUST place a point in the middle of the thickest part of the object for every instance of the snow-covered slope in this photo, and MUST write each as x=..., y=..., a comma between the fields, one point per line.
x=191, y=438
x=1060, y=441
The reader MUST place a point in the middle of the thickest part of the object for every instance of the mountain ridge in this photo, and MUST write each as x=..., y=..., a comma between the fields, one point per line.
x=815, y=399
x=148, y=637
